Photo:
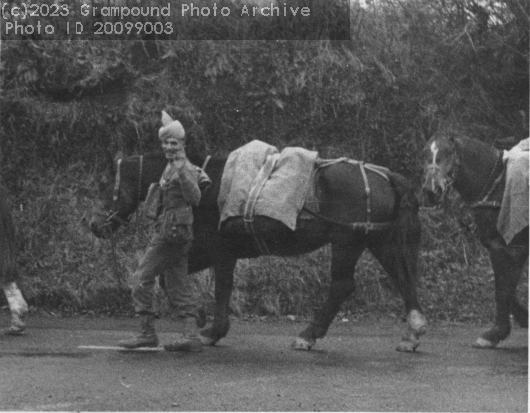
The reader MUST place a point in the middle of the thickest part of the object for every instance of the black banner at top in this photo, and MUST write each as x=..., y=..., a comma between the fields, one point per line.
x=176, y=20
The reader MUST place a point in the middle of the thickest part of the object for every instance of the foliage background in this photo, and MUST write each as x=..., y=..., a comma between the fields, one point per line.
x=410, y=68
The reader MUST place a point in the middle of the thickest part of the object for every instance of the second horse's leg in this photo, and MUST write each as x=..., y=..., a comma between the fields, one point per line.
x=507, y=265
x=343, y=260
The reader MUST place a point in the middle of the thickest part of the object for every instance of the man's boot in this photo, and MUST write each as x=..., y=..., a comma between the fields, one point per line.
x=187, y=339
x=147, y=336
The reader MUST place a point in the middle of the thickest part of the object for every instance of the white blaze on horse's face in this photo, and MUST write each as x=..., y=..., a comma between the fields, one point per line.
x=437, y=171
x=434, y=151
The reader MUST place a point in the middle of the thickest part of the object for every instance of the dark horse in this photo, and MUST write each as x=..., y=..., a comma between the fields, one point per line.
x=9, y=271
x=342, y=198
x=476, y=171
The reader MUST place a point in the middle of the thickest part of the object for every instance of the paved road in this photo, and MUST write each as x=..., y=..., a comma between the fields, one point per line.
x=355, y=368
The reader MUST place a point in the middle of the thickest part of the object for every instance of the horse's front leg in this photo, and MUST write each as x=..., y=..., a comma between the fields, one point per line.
x=343, y=260
x=224, y=282
x=507, y=266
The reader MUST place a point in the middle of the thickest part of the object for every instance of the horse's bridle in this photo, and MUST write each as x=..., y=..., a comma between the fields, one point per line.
x=112, y=214
x=488, y=188
x=449, y=177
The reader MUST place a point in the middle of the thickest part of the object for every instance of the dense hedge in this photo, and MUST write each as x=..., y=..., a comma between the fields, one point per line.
x=409, y=69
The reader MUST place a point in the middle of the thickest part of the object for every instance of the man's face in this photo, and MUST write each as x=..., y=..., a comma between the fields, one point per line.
x=174, y=148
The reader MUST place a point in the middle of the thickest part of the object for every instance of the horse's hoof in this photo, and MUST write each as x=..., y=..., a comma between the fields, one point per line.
x=483, y=343
x=408, y=346
x=302, y=344
x=15, y=330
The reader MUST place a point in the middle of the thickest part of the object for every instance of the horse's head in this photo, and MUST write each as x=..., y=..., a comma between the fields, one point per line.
x=115, y=203
x=121, y=197
x=439, y=163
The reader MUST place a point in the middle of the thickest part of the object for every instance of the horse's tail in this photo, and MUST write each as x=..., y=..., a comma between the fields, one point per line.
x=8, y=267
x=406, y=229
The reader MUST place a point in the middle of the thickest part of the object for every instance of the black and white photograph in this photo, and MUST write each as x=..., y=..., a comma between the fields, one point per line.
x=264, y=205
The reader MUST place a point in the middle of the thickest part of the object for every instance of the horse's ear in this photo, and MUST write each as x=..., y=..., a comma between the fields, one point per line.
x=166, y=119
x=457, y=142
x=428, y=128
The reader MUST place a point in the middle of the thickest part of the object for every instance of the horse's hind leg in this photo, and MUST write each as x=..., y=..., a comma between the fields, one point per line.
x=18, y=308
x=507, y=265
x=343, y=260
x=401, y=263
x=224, y=281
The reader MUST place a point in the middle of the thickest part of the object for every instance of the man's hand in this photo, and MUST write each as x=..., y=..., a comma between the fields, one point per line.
x=180, y=160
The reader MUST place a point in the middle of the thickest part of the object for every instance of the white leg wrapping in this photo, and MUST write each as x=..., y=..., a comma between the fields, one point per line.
x=302, y=344
x=17, y=304
x=483, y=343
x=417, y=323
x=18, y=308
x=417, y=326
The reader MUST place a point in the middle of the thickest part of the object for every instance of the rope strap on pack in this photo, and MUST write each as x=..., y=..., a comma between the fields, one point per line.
x=250, y=206
x=368, y=225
